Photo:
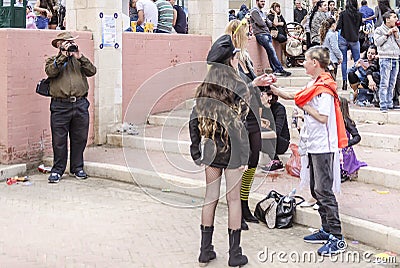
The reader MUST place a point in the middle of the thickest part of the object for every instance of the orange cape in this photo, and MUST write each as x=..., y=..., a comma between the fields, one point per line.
x=325, y=84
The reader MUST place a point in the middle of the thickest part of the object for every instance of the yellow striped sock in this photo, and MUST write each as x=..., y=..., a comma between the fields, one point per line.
x=247, y=181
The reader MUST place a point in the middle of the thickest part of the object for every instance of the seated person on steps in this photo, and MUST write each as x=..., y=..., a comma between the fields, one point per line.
x=364, y=78
x=274, y=143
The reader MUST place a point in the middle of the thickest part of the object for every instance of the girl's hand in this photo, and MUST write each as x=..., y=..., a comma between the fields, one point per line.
x=372, y=85
x=263, y=80
x=243, y=168
x=265, y=123
x=49, y=14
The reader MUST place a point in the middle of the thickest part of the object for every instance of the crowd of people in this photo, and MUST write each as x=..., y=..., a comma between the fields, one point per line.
x=358, y=29
x=44, y=14
x=163, y=16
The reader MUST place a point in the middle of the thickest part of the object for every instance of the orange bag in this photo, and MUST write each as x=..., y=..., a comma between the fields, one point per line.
x=293, y=165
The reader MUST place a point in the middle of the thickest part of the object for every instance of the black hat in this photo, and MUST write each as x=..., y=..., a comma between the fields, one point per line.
x=221, y=50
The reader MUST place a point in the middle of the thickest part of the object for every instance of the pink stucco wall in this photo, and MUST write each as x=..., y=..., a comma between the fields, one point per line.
x=24, y=118
x=160, y=71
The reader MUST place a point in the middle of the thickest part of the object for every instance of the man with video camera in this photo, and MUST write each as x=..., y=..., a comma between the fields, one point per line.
x=68, y=71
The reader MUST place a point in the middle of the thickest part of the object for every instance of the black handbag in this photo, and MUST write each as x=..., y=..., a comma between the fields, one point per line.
x=43, y=87
x=277, y=210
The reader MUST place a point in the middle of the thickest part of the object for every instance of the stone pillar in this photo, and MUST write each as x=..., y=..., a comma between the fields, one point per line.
x=83, y=15
x=208, y=17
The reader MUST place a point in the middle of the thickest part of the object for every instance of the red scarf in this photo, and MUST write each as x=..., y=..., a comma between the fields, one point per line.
x=325, y=84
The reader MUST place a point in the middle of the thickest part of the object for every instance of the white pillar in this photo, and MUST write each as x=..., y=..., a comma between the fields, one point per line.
x=84, y=15
x=208, y=17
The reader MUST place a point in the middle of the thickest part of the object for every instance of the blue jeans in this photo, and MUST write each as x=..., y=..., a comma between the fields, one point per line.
x=42, y=22
x=389, y=69
x=265, y=40
x=355, y=51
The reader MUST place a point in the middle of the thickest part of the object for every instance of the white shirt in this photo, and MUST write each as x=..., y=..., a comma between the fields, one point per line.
x=318, y=137
x=150, y=11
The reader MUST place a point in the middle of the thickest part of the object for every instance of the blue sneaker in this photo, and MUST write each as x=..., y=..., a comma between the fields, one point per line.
x=332, y=247
x=80, y=175
x=54, y=177
x=319, y=237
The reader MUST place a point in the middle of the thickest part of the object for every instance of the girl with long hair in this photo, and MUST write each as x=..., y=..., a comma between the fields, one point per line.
x=217, y=122
x=350, y=165
x=318, y=15
x=238, y=30
x=278, y=22
x=349, y=28
x=48, y=17
x=329, y=39
x=322, y=134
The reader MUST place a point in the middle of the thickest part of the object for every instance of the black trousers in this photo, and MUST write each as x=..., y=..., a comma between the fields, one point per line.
x=69, y=119
x=321, y=181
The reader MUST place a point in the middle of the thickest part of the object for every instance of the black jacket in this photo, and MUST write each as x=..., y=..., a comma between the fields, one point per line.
x=349, y=24
x=354, y=135
x=214, y=153
x=253, y=117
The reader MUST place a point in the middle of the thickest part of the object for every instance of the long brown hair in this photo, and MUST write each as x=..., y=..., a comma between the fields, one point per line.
x=216, y=102
x=325, y=26
x=344, y=107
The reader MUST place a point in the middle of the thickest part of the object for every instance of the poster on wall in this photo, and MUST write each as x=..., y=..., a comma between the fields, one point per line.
x=109, y=31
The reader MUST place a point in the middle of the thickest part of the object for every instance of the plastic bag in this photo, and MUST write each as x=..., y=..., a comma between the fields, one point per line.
x=293, y=165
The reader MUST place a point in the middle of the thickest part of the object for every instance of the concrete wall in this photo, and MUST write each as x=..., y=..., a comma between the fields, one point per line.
x=24, y=119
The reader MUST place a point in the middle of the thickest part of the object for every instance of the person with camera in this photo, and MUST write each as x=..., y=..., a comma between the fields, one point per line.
x=68, y=71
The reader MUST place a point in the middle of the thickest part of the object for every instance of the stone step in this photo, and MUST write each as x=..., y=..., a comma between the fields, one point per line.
x=176, y=140
x=373, y=135
x=297, y=82
x=359, y=220
x=297, y=72
x=9, y=171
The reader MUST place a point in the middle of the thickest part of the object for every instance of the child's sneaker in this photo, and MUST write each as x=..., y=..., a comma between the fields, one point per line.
x=319, y=237
x=274, y=165
x=332, y=247
x=54, y=177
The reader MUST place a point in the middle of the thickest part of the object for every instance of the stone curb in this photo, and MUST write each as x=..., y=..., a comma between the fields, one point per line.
x=12, y=170
x=364, y=231
x=371, y=175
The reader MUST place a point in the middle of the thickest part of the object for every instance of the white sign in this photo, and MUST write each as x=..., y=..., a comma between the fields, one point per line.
x=109, y=31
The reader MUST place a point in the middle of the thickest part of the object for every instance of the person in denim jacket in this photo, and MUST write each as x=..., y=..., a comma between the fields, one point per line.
x=388, y=43
x=364, y=77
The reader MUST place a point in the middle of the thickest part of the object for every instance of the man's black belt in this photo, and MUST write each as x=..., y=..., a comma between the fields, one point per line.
x=71, y=99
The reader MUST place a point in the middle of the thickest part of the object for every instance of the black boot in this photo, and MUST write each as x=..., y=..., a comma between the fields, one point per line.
x=244, y=225
x=246, y=214
x=207, y=252
x=235, y=251
x=344, y=86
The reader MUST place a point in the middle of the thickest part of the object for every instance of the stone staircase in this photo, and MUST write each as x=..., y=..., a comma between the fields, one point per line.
x=163, y=146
